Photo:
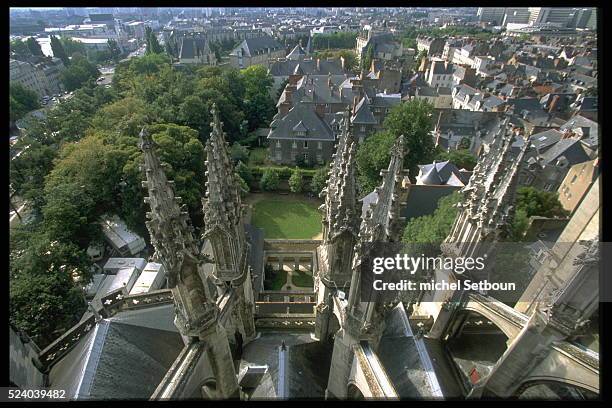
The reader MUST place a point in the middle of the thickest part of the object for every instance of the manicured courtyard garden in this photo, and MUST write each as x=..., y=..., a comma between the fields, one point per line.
x=287, y=217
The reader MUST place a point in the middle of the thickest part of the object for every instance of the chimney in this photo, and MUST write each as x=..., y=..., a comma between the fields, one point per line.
x=355, y=102
x=318, y=64
x=343, y=63
x=329, y=80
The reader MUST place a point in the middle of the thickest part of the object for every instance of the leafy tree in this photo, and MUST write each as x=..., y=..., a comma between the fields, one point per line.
x=300, y=161
x=411, y=119
x=153, y=46
x=170, y=49
x=318, y=180
x=44, y=297
x=269, y=180
x=244, y=172
x=533, y=202
x=71, y=46
x=28, y=170
x=461, y=158
x=20, y=47
x=79, y=73
x=296, y=181
x=539, y=202
x=114, y=50
x=372, y=157
x=464, y=143
x=434, y=228
x=239, y=153
x=58, y=50
x=244, y=187
x=21, y=101
x=366, y=63
x=101, y=57
x=335, y=40
x=215, y=47
x=34, y=47
x=258, y=105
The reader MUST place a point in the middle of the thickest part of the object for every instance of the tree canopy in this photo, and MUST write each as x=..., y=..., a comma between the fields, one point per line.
x=334, y=40
x=79, y=73
x=58, y=50
x=21, y=101
x=153, y=46
x=411, y=119
x=34, y=47
x=461, y=158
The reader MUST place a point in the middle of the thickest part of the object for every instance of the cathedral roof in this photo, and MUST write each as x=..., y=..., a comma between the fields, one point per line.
x=296, y=53
x=123, y=357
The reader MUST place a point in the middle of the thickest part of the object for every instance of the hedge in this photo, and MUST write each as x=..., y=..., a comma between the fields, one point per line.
x=284, y=172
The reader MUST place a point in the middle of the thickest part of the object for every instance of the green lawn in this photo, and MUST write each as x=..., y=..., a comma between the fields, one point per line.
x=277, y=282
x=302, y=279
x=287, y=217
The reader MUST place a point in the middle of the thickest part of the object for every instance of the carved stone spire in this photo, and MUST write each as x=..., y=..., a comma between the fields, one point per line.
x=382, y=222
x=341, y=208
x=223, y=208
x=168, y=224
x=175, y=246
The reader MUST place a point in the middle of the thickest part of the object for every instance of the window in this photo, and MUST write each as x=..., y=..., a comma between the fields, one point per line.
x=294, y=145
x=320, y=145
x=319, y=158
x=305, y=144
x=362, y=128
x=278, y=144
x=574, y=178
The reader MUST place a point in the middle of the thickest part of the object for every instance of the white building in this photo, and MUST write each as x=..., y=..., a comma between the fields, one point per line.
x=493, y=15
x=117, y=234
x=42, y=78
x=153, y=277
x=516, y=15
x=560, y=16
x=440, y=74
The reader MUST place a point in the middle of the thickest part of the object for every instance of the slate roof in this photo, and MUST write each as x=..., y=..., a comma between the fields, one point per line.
x=315, y=89
x=437, y=172
x=521, y=104
x=316, y=128
x=257, y=46
x=363, y=113
x=544, y=140
x=400, y=356
x=386, y=100
x=296, y=53
x=571, y=149
x=492, y=102
x=587, y=103
x=123, y=357
x=193, y=47
x=589, y=129
x=307, y=66
x=463, y=90
x=440, y=68
x=422, y=200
